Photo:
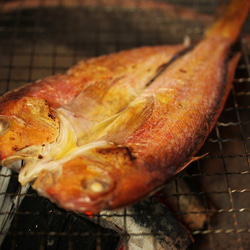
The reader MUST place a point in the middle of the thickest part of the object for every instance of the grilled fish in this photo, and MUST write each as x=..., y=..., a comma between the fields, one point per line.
x=116, y=128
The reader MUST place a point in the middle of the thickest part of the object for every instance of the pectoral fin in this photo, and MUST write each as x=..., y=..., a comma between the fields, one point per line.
x=123, y=124
x=193, y=159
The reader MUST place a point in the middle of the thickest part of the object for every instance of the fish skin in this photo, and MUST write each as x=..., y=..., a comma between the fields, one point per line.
x=130, y=170
x=110, y=168
x=26, y=122
x=98, y=78
x=178, y=110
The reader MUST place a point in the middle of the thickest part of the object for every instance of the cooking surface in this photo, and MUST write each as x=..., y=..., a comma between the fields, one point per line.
x=41, y=38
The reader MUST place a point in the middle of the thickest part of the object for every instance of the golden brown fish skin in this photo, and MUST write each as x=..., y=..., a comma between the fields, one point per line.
x=179, y=110
x=127, y=72
x=60, y=89
x=98, y=77
x=135, y=169
x=30, y=121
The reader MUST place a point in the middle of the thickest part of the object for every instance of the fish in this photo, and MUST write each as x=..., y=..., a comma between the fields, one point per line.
x=116, y=128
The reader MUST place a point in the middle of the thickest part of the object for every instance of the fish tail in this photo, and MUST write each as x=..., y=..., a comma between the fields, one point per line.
x=230, y=24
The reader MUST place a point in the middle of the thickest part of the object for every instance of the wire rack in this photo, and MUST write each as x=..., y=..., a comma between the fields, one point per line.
x=211, y=198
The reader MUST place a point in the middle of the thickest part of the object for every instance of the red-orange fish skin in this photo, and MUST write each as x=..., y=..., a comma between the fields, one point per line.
x=187, y=102
x=112, y=168
x=145, y=161
x=176, y=113
x=60, y=89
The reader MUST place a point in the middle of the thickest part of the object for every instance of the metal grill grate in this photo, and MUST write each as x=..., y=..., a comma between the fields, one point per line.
x=211, y=198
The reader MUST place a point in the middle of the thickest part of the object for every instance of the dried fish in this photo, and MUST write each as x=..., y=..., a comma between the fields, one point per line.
x=115, y=128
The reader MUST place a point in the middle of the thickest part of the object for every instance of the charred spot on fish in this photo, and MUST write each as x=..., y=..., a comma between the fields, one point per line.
x=117, y=151
x=161, y=67
x=51, y=116
x=182, y=70
x=15, y=148
x=149, y=83
x=129, y=154
x=40, y=157
x=84, y=184
x=12, y=139
x=158, y=71
x=105, y=151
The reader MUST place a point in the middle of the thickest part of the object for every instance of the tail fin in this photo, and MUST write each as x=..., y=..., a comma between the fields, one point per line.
x=230, y=24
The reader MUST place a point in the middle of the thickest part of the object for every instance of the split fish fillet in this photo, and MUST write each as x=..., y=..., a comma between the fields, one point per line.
x=115, y=128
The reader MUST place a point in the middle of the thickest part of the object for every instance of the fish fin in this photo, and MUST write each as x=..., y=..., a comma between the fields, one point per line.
x=230, y=24
x=130, y=119
x=232, y=66
x=96, y=131
x=93, y=94
x=122, y=124
x=193, y=159
x=230, y=77
x=231, y=69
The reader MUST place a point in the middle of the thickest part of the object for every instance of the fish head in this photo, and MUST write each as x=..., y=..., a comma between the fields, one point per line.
x=24, y=123
x=106, y=179
x=79, y=185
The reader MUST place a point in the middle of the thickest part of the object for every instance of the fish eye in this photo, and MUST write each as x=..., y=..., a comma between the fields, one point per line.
x=96, y=184
x=4, y=126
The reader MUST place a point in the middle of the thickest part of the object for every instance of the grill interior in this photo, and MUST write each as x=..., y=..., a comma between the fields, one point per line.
x=211, y=198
